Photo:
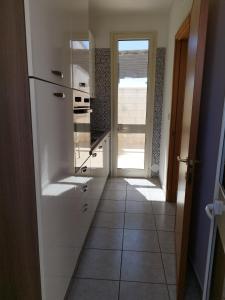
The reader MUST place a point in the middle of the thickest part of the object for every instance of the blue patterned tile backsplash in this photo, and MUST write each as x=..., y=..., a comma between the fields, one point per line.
x=101, y=105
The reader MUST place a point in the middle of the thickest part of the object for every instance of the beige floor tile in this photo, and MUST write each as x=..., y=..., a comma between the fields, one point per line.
x=139, y=221
x=143, y=291
x=89, y=289
x=109, y=220
x=105, y=238
x=141, y=240
x=142, y=266
x=100, y=264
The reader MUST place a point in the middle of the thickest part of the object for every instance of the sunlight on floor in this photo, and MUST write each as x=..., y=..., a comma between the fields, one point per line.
x=132, y=160
x=139, y=182
x=149, y=189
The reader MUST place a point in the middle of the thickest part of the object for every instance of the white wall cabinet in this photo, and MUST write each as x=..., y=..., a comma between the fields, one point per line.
x=49, y=29
x=80, y=65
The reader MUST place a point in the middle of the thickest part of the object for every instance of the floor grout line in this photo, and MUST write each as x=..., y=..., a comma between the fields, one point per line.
x=116, y=280
x=137, y=213
x=121, y=262
x=126, y=250
x=161, y=253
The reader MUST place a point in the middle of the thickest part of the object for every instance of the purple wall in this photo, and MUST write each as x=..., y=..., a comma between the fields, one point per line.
x=209, y=133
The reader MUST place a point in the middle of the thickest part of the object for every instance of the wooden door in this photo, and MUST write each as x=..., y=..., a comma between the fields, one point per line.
x=19, y=253
x=194, y=76
x=179, y=80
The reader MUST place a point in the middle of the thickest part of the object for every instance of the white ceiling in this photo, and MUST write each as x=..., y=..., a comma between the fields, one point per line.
x=128, y=7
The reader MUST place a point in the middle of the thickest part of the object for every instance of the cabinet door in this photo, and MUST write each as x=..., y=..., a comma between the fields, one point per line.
x=52, y=114
x=92, y=65
x=81, y=63
x=48, y=27
x=62, y=237
x=64, y=222
x=97, y=168
x=97, y=161
x=106, y=156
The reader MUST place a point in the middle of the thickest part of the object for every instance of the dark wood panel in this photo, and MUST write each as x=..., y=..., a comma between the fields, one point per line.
x=19, y=257
x=179, y=78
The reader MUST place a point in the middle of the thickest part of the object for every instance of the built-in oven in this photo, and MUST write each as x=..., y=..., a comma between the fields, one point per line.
x=82, y=130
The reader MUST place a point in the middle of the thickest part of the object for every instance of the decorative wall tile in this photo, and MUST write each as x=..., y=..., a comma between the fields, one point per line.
x=101, y=118
x=157, y=121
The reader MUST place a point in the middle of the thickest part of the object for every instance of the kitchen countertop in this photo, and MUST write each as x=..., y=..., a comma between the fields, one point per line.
x=96, y=138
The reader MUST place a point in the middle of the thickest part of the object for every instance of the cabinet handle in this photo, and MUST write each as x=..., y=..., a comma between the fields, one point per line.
x=83, y=169
x=82, y=84
x=85, y=205
x=84, y=188
x=58, y=73
x=84, y=210
x=60, y=95
x=94, y=154
x=100, y=147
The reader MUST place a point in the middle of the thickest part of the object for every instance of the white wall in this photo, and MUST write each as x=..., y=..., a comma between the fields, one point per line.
x=104, y=25
x=179, y=11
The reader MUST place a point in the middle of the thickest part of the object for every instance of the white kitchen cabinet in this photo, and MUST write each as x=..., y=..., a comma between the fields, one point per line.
x=100, y=167
x=92, y=65
x=81, y=62
x=48, y=31
x=52, y=124
x=52, y=114
x=106, y=156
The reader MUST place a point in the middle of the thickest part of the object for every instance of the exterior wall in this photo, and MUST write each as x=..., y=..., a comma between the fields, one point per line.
x=102, y=104
x=104, y=25
x=178, y=13
x=213, y=94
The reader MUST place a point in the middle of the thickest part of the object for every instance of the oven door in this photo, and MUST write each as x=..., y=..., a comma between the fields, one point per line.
x=82, y=134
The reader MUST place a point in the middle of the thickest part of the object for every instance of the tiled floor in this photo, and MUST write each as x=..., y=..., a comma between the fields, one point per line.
x=129, y=253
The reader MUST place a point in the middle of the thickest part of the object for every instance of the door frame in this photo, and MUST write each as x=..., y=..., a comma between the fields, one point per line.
x=213, y=226
x=152, y=37
x=179, y=77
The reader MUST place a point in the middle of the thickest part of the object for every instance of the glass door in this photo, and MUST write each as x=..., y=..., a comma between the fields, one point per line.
x=215, y=273
x=133, y=88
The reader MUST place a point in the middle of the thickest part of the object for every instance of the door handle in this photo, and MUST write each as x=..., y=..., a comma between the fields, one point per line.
x=58, y=73
x=182, y=160
x=209, y=211
x=217, y=208
x=122, y=128
x=60, y=95
x=188, y=161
